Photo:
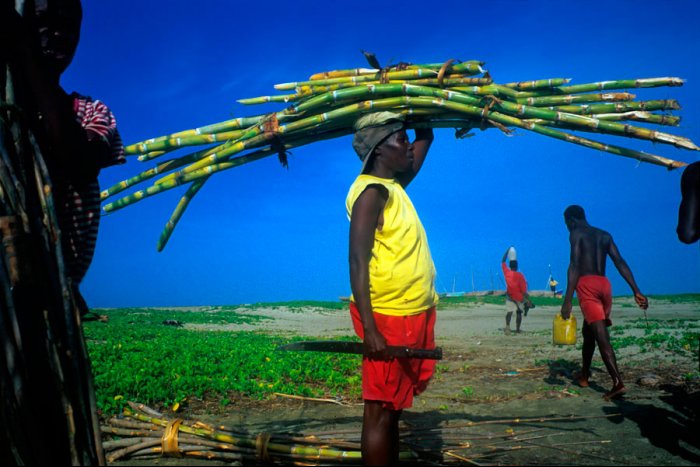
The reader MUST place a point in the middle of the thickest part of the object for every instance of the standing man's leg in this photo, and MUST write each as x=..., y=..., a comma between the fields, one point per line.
x=510, y=308
x=586, y=354
x=380, y=434
x=600, y=332
x=518, y=319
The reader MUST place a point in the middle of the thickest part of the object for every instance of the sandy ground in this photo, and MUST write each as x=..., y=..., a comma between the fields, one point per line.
x=502, y=399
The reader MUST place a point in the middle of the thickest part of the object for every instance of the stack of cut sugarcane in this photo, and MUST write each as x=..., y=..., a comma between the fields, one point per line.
x=459, y=95
x=142, y=433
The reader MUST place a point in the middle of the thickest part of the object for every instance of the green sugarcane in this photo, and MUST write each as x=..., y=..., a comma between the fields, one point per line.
x=608, y=85
x=472, y=110
x=462, y=107
x=401, y=74
x=471, y=67
x=364, y=90
x=150, y=173
x=306, y=91
x=588, y=109
x=179, y=210
x=538, y=84
x=321, y=100
x=635, y=115
x=575, y=98
x=513, y=109
x=166, y=145
x=183, y=178
x=228, y=125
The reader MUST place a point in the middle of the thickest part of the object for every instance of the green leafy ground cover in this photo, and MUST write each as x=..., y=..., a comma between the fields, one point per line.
x=136, y=357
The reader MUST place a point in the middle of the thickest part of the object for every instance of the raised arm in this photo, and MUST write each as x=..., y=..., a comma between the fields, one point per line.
x=364, y=219
x=688, y=229
x=505, y=255
x=421, y=145
x=626, y=274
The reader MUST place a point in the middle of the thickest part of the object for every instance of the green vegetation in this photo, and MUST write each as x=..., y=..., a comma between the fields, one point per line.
x=137, y=357
x=470, y=300
x=680, y=298
x=676, y=336
x=298, y=305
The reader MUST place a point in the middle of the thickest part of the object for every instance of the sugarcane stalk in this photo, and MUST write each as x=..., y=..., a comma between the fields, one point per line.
x=182, y=178
x=305, y=91
x=539, y=84
x=608, y=85
x=634, y=115
x=118, y=454
x=114, y=444
x=228, y=125
x=589, y=109
x=165, y=145
x=150, y=173
x=575, y=99
x=471, y=67
x=413, y=73
x=177, y=213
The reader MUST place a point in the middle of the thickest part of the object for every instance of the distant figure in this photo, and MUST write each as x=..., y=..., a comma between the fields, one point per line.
x=517, y=298
x=553, y=285
x=688, y=229
x=590, y=248
x=392, y=277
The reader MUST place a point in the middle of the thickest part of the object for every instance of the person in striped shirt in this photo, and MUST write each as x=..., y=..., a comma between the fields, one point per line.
x=80, y=134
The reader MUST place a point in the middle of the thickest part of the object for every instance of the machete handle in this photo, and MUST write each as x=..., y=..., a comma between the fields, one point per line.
x=406, y=352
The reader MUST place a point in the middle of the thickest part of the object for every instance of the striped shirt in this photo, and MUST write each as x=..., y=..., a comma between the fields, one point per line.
x=79, y=212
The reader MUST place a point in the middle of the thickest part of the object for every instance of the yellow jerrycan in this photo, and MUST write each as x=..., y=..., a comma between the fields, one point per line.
x=564, y=330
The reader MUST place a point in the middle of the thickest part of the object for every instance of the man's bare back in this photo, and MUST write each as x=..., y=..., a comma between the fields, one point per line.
x=590, y=248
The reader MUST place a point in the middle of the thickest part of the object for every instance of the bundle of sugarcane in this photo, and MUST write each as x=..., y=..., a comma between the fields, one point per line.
x=459, y=95
x=145, y=433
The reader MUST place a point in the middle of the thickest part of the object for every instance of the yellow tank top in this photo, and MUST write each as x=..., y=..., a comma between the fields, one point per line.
x=401, y=269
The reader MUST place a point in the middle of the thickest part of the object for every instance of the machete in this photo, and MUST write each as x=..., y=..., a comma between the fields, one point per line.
x=358, y=348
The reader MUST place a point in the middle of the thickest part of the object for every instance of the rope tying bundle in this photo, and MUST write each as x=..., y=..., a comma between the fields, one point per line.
x=168, y=442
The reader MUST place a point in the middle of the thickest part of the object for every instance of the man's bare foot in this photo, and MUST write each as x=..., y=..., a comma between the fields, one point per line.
x=615, y=392
x=507, y=331
x=581, y=379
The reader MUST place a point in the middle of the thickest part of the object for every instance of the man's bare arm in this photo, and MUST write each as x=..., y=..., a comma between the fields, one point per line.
x=572, y=274
x=421, y=145
x=364, y=220
x=626, y=274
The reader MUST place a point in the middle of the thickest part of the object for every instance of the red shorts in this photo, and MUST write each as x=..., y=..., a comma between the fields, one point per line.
x=595, y=297
x=396, y=381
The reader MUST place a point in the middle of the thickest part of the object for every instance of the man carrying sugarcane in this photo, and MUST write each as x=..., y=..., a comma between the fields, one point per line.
x=392, y=278
x=590, y=248
x=517, y=299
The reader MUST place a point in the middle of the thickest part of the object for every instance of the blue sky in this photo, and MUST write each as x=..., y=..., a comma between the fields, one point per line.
x=261, y=232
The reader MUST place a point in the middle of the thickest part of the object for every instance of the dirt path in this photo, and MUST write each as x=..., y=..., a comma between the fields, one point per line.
x=490, y=386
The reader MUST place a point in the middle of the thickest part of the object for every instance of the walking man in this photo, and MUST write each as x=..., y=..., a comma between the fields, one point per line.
x=590, y=248
x=517, y=298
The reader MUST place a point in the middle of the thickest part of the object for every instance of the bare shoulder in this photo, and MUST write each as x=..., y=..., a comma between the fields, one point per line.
x=599, y=233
